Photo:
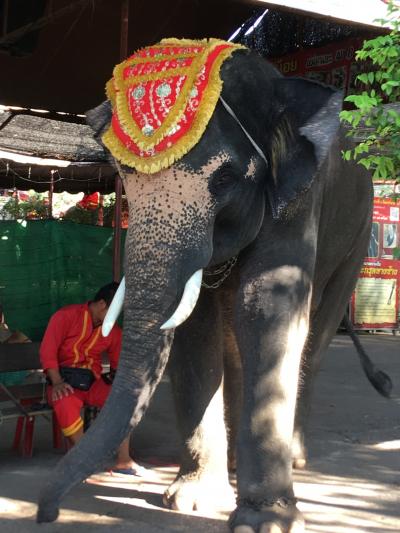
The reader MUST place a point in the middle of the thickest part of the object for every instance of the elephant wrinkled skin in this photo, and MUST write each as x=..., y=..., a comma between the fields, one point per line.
x=299, y=226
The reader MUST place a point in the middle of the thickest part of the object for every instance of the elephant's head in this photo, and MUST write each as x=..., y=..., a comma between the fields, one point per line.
x=260, y=145
x=260, y=149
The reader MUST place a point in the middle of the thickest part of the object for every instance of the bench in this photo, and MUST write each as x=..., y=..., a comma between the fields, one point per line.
x=28, y=400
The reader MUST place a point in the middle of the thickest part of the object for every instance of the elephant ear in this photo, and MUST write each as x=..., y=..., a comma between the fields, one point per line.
x=303, y=132
x=99, y=119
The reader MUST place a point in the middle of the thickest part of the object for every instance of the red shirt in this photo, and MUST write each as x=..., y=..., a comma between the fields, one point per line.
x=71, y=340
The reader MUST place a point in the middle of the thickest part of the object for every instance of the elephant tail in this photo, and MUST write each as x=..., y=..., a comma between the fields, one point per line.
x=379, y=379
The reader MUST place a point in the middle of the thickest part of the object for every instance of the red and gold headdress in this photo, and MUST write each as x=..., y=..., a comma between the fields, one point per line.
x=162, y=98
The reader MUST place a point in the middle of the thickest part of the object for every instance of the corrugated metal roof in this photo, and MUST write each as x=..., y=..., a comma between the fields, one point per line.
x=47, y=138
x=355, y=11
x=36, y=150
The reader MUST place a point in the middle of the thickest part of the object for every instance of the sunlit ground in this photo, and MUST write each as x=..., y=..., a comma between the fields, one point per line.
x=337, y=504
x=351, y=484
x=331, y=503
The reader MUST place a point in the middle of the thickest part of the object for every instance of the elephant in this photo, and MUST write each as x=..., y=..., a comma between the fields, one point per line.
x=262, y=227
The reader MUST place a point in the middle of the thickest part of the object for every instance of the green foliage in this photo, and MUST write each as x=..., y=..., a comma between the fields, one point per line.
x=81, y=216
x=33, y=209
x=377, y=126
x=91, y=216
x=37, y=208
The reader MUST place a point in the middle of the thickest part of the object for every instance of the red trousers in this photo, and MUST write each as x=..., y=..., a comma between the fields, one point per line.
x=68, y=408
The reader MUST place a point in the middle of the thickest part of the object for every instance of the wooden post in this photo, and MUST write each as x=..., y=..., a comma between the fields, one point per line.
x=5, y=18
x=50, y=195
x=123, y=52
x=100, y=213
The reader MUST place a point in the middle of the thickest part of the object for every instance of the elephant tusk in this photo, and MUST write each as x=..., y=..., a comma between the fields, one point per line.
x=114, y=309
x=187, y=303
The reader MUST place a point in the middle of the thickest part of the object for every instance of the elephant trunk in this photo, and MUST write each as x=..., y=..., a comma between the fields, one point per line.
x=142, y=361
x=161, y=257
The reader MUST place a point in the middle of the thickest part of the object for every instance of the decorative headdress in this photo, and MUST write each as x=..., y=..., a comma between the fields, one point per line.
x=162, y=99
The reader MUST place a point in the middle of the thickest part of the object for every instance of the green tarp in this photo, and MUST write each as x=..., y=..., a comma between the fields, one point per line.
x=46, y=264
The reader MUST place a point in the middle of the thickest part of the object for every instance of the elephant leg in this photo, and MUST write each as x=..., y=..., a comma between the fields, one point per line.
x=196, y=370
x=271, y=321
x=323, y=325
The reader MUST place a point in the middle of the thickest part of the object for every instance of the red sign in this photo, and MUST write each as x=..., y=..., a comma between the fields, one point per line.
x=375, y=301
x=332, y=64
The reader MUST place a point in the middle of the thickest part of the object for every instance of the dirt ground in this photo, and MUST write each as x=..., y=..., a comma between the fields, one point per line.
x=351, y=483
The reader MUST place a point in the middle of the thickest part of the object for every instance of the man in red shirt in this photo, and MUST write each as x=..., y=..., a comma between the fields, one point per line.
x=73, y=339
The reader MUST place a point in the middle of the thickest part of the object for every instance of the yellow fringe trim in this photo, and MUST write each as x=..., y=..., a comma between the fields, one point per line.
x=73, y=428
x=115, y=92
x=125, y=84
x=137, y=60
x=110, y=92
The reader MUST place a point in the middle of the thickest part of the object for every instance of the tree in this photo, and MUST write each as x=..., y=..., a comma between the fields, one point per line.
x=375, y=120
x=34, y=208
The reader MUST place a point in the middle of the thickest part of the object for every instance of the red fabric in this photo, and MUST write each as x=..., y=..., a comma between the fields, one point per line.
x=154, y=78
x=71, y=340
x=90, y=201
x=68, y=408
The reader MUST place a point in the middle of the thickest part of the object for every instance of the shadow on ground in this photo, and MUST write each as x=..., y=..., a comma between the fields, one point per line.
x=351, y=483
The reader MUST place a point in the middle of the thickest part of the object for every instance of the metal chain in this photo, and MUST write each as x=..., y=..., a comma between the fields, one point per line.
x=225, y=269
x=258, y=505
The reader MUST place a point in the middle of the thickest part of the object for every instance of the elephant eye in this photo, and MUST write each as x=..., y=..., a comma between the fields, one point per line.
x=223, y=180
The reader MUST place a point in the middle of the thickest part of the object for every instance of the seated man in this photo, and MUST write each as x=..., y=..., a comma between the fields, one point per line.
x=72, y=342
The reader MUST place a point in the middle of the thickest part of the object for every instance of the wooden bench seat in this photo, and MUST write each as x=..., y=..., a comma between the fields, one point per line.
x=15, y=357
x=13, y=412
x=23, y=391
x=20, y=357
x=26, y=401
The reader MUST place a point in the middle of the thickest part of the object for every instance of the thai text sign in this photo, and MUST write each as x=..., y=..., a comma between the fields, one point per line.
x=332, y=64
x=375, y=302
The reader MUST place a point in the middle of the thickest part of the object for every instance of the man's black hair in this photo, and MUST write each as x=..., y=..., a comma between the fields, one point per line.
x=106, y=293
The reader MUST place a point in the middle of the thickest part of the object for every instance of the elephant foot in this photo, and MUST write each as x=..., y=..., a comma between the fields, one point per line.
x=280, y=517
x=47, y=513
x=299, y=456
x=299, y=463
x=188, y=494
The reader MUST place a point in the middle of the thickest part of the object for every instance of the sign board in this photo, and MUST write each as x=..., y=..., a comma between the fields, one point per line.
x=375, y=301
x=332, y=64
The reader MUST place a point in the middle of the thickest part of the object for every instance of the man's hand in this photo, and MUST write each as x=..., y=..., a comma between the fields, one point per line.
x=61, y=389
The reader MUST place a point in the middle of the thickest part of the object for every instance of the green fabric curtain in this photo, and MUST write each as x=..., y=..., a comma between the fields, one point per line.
x=46, y=264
